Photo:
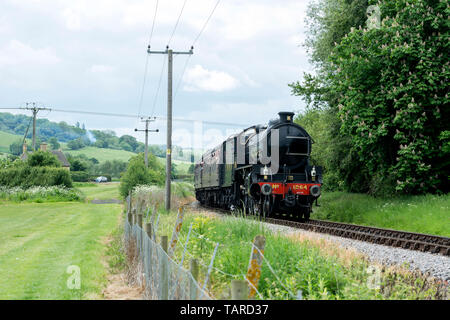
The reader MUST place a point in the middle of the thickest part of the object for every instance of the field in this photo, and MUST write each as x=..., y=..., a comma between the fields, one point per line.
x=102, y=154
x=6, y=139
x=111, y=154
x=41, y=240
x=99, y=191
x=422, y=214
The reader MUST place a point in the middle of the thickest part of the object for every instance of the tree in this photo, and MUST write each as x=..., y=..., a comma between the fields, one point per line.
x=77, y=165
x=76, y=144
x=392, y=85
x=130, y=141
x=137, y=174
x=54, y=144
x=16, y=148
x=43, y=159
x=329, y=21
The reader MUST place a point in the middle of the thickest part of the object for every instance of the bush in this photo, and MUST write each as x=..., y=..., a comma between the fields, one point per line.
x=79, y=176
x=40, y=194
x=43, y=159
x=27, y=176
x=138, y=174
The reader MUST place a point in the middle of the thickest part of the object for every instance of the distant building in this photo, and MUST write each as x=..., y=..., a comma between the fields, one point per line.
x=58, y=153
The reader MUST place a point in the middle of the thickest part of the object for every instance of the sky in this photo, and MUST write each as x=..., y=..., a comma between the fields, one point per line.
x=91, y=55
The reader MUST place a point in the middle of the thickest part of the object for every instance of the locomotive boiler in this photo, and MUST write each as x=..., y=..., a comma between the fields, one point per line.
x=263, y=170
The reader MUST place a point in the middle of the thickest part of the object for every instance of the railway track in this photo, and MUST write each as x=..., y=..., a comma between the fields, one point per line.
x=388, y=237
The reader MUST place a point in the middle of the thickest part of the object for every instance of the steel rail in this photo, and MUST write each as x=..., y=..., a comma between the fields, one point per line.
x=393, y=238
x=388, y=237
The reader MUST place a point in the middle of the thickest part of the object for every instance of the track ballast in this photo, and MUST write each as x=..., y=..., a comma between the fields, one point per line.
x=388, y=237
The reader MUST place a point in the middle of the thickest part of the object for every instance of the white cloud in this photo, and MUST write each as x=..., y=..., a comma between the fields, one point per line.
x=72, y=19
x=100, y=68
x=17, y=53
x=201, y=79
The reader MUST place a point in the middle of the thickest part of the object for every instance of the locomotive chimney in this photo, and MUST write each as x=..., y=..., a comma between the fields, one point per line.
x=286, y=116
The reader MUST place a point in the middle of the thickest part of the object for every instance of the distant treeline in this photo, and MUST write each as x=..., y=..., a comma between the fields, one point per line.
x=77, y=136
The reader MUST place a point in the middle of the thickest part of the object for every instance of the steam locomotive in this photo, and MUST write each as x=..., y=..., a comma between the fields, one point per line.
x=263, y=170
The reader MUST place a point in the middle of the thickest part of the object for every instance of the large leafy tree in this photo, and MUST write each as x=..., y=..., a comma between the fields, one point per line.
x=328, y=22
x=392, y=83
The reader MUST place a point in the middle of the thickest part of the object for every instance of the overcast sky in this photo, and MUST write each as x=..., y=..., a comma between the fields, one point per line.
x=90, y=55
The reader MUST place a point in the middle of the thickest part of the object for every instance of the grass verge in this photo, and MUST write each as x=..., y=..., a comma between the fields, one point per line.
x=422, y=214
x=316, y=268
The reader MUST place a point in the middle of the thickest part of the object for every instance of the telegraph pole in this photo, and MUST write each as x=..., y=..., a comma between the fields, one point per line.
x=147, y=121
x=35, y=111
x=170, y=54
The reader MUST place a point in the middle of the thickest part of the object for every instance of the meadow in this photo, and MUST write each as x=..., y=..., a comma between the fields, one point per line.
x=99, y=191
x=102, y=154
x=423, y=214
x=6, y=139
x=41, y=240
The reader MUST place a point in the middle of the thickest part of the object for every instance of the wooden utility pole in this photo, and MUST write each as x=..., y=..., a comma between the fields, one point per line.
x=35, y=110
x=147, y=121
x=170, y=54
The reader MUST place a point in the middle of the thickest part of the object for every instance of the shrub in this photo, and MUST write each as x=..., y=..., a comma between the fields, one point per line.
x=40, y=194
x=43, y=159
x=138, y=174
x=27, y=176
x=79, y=176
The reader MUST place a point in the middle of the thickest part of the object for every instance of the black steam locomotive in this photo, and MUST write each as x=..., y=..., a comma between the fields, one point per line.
x=263, y=170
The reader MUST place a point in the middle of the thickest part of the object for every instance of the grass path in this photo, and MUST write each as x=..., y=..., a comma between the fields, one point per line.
x=100, y=191
x=39, y=241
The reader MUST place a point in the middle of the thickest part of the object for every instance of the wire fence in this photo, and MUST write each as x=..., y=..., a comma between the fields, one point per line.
x=160, y=266
x=162, y=277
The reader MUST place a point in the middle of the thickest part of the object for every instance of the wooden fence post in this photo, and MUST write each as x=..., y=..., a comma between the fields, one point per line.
x=193, y=268
x=164, y=270
x=254, y=266
x=133, y=213
x=130, y=217
x=139, y=219
x=239, y=290
x=176, y=231
x=148, y=229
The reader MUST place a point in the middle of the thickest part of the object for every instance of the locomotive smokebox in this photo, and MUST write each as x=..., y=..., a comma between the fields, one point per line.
x=286, y=116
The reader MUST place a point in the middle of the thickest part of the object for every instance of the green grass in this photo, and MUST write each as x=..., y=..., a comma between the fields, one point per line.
x=6, y=139
x=40, y=241
x=423, y=214
x=318, y=269
x=100, y=191
x=102, y=154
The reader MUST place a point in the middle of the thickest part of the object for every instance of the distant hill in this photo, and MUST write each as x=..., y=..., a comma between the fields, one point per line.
x=102, y=154
x=76, y=138
x=45, y=129
x=6, y=139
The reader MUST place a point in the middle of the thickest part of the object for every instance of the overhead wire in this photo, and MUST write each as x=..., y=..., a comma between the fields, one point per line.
x=155, y=100
x=124, y=115
x=176, y=24
x=193, y=43
x=206, y=23
x=141, y=99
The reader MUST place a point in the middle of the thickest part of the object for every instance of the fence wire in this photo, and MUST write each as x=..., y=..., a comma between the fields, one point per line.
x=163, y=278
